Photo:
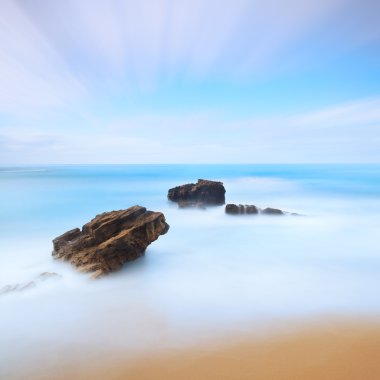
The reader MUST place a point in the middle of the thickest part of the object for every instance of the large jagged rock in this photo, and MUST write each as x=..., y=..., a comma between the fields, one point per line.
x=110, y=240
x=204, y=192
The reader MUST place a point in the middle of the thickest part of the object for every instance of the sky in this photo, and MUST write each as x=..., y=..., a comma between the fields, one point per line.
x=189, y=81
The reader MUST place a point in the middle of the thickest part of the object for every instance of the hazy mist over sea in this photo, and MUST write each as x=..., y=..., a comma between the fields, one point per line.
x=210, y=273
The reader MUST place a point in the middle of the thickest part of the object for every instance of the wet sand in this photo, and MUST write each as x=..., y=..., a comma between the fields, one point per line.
x=334, y=350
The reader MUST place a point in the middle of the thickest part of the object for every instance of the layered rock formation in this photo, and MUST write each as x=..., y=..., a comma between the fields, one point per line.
x=204, y=192
x=110, y=240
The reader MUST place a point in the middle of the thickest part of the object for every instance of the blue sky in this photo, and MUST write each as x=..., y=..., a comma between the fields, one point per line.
x=158, y=81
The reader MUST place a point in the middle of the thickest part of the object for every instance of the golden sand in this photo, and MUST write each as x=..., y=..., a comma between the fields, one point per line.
x=333, y=351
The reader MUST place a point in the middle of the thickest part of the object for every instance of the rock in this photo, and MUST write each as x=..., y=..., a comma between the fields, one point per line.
x=110, y=240
x=240, y=209
x=30, y=284
x=204, y=192
x=251, y=209
x=234, y=209
x=272, y=211
x=17, y=287
x=66, y=237
x=46, y=275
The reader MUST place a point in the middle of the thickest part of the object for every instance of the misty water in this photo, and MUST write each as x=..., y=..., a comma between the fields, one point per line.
x=211, y=272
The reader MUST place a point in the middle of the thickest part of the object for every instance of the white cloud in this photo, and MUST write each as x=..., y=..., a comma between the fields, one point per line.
x=361, y=112
x=347, y=132
x=77, y=55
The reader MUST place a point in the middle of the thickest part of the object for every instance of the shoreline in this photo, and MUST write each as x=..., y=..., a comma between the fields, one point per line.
x=330, y=349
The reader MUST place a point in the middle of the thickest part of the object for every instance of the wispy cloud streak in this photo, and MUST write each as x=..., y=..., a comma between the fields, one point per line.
x=75, y=76
x=32, y=73
x=324, y=135
x=143, y=41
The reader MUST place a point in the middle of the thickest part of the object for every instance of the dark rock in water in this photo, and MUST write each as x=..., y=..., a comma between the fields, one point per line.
x=272, y=211
x=110, y=240
x=30, y=284
x=251, y=209
x=66, y=237
x=17, y=287
x=46, y=275
x=232, y=209
x=241, y=209
x=203, y=192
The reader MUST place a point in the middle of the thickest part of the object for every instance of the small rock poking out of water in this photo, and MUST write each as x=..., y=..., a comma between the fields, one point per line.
x=110, y=240
x=30, y=284
x=200, y=194
x=272, y=211
x=234, y=209
x=241, y=209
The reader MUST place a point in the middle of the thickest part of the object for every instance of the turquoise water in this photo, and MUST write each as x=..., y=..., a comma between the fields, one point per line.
x=210, y=273
x=42, y=198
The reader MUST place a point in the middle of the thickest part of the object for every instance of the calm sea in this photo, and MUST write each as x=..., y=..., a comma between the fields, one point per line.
x=211, y=272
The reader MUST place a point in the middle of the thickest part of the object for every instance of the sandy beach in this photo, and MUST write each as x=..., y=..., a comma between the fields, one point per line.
x=332, y=350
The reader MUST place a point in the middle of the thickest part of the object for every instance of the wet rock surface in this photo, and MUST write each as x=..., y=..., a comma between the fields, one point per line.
x=110, y=240
x=204, y=192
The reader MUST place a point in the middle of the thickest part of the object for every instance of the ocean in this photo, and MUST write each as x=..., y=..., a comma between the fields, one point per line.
x=212, y=273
